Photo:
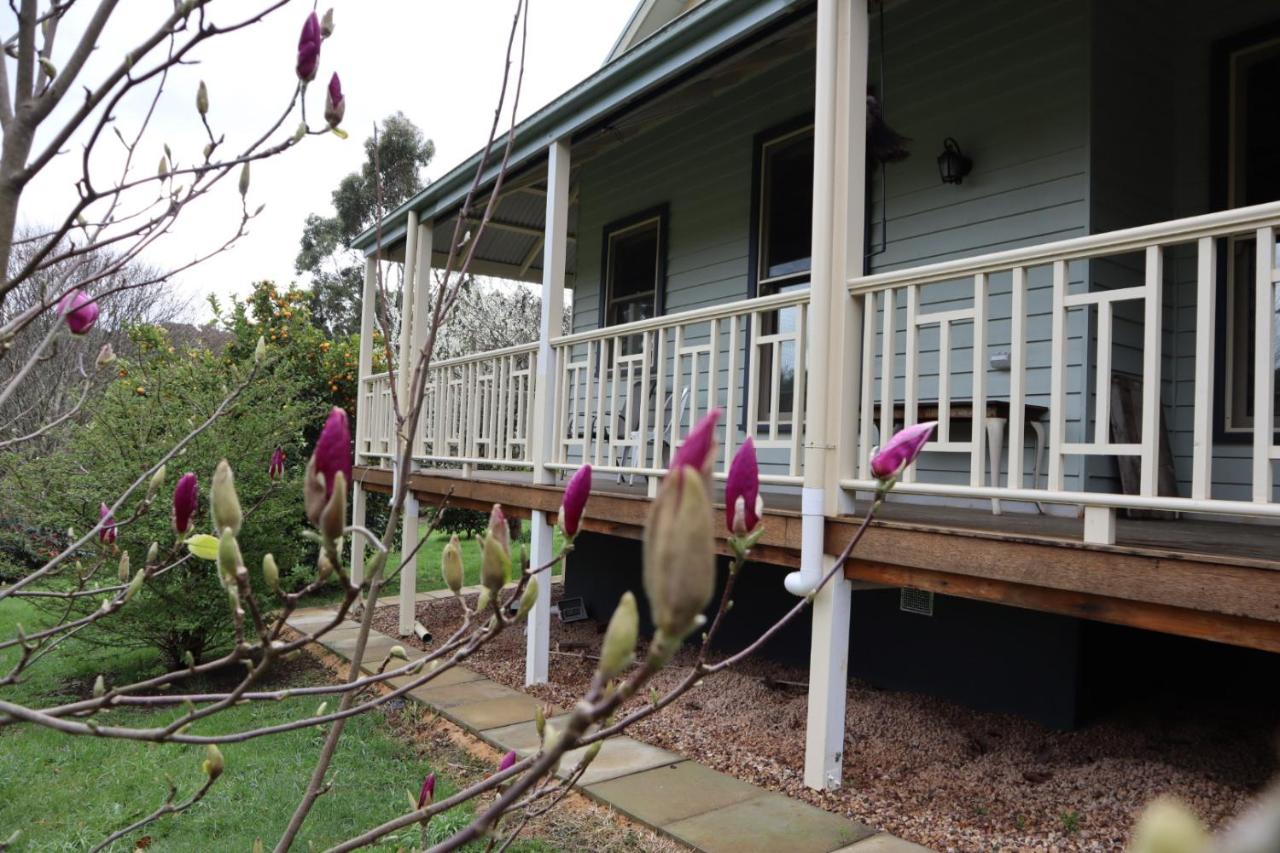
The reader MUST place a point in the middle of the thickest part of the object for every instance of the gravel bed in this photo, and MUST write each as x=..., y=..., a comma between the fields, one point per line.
x=922, y=768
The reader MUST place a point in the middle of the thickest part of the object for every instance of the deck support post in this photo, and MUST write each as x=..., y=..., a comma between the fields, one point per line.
x=1100, y=525
x=364, y=367
x=839, y=141
x=408, y=571
x=404, y=367
x=542, y=442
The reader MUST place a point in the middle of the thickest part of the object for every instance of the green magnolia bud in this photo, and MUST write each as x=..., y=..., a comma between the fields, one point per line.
x=591, y=753
x=619, y=646
x=106, y=356
x=202, y=98
x=123, y=573
x=213, y=763
x=260, y=351
x=157, y=481
x=208, y=149
x=527, y=600
x=482, y=600
x=99, y=687
x=225, y=503
x=539, y=720
x=163, y=169
x=495, y=562
x=135, y=584
x=398, y=653
x=244, y=179
x=550, y=738
x=326, y=24
x=679, y=554
x=228, y=558
x=188, y=658
x=153, y=554
x=451, y=564
x=271, y=573
x=46, y=65
x=257, y=846
x=334, y=517
x=324, y=567
x=1167, y=827
x=300, y=132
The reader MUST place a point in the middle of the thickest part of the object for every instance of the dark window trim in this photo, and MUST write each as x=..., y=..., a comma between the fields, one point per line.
x=758, y=142
x=1219, y=193
x=661, y=212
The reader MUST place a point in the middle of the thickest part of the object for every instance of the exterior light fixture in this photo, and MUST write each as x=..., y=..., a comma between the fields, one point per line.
x=952, y=164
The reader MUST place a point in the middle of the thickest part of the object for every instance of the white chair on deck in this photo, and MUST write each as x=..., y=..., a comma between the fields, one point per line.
x=636, y=440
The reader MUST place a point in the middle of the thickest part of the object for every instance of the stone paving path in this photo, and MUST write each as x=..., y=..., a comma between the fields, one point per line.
x=698, y=806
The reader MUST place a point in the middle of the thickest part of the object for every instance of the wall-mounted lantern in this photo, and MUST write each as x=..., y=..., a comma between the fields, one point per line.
x=952, y=164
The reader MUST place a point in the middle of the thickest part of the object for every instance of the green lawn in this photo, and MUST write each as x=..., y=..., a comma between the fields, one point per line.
x=67, y=793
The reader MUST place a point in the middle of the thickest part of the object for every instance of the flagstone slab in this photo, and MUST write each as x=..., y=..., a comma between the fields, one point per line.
x=448, y=678
x=493, y=712
x=522, y=736
x=883, y=843
x=674, y=792
x=619, y=756
x=765, y=824
x=464, y=693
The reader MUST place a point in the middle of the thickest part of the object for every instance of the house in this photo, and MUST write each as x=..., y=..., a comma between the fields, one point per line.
x=1079, y=251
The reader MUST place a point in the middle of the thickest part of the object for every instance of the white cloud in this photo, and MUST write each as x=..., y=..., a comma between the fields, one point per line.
x=438, y=62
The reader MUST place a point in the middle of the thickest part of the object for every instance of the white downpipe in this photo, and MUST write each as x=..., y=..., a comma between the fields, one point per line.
x=812, y=524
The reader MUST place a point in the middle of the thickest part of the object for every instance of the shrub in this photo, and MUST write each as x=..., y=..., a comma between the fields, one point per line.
x=464, y=522
x=156, y=399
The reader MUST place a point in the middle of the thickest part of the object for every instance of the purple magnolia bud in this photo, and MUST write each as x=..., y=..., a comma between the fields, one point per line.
x=699, y=445
x=275, y=468
x=508, y=761
x=309, y=49
x=428, y=790
x=742, y=504
x=901, y=450
x=333, y=450
x=79, y=311
x=185, y=498
x=574, y=500
x=334, y=104
x=107, y=533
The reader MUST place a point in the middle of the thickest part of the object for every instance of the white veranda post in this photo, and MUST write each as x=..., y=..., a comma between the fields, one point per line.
x=364, y=367
x=838, y=189
x=410, y=521
x=541, y=533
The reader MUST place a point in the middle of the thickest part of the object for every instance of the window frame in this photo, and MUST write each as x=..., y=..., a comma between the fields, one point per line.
x=1231, y=424
x=757, y=284
x=659, y=215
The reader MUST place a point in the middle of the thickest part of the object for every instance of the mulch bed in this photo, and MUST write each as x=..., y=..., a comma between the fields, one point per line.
x=922, y=768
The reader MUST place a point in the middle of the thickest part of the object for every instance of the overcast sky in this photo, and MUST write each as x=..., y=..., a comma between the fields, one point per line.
x=437, y=61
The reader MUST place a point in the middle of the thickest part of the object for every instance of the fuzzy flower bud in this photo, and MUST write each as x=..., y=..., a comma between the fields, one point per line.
x=1167, y=827
x=244, y=179
x=157, y=480
x=213, y=764
x=108, y=533
x=679, y=553
x=99, y=687
x=528, y=599
x=742, y=503
x=260, y=350
x=275, y=468
x=901, y=450
x=79, y=311
x=333, y=449
x=575, y=499
x=309, y=49
x=428, y=791
x=539, y=720
x=334, y=517
x=335, y=105
x=202, y=98
x=699, y=448
x=225, y=502
x=508, y=761
x=229, y=558
x=495, y=554
x=123, y=572
x=135, y=584
x=271, y=572
x=326, y=24
x=451, y=564
x=153, y=553
x=186, y=496
x=619, y=646
x=106, y=356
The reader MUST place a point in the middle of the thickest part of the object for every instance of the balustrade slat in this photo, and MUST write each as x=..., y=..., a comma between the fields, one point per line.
x=866, y=412
x=979, y=380
x=1102, y=400
x=888, y=348
x=798, y=390
x=1058, y=376
x=1264, y=337
x=1153, y=332
x=1017, y=375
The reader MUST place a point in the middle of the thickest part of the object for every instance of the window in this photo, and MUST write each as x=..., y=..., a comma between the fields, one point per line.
x=634, y=270
x=1253, y=177
x=783, y=238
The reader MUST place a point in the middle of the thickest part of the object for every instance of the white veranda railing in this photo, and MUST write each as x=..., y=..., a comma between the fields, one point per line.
x=1096, y=311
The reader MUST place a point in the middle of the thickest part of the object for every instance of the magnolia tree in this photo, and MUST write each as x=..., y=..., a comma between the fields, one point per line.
x=679, y=577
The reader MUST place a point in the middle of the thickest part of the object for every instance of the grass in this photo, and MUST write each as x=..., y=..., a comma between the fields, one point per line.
x=67, y=793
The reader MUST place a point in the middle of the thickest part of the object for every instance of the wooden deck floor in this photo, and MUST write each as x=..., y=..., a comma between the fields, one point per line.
x=1217, y=580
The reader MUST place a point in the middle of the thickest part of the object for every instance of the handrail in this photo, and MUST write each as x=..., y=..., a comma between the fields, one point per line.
x=1111, y=242
x=696, y=315
x=517, y=349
